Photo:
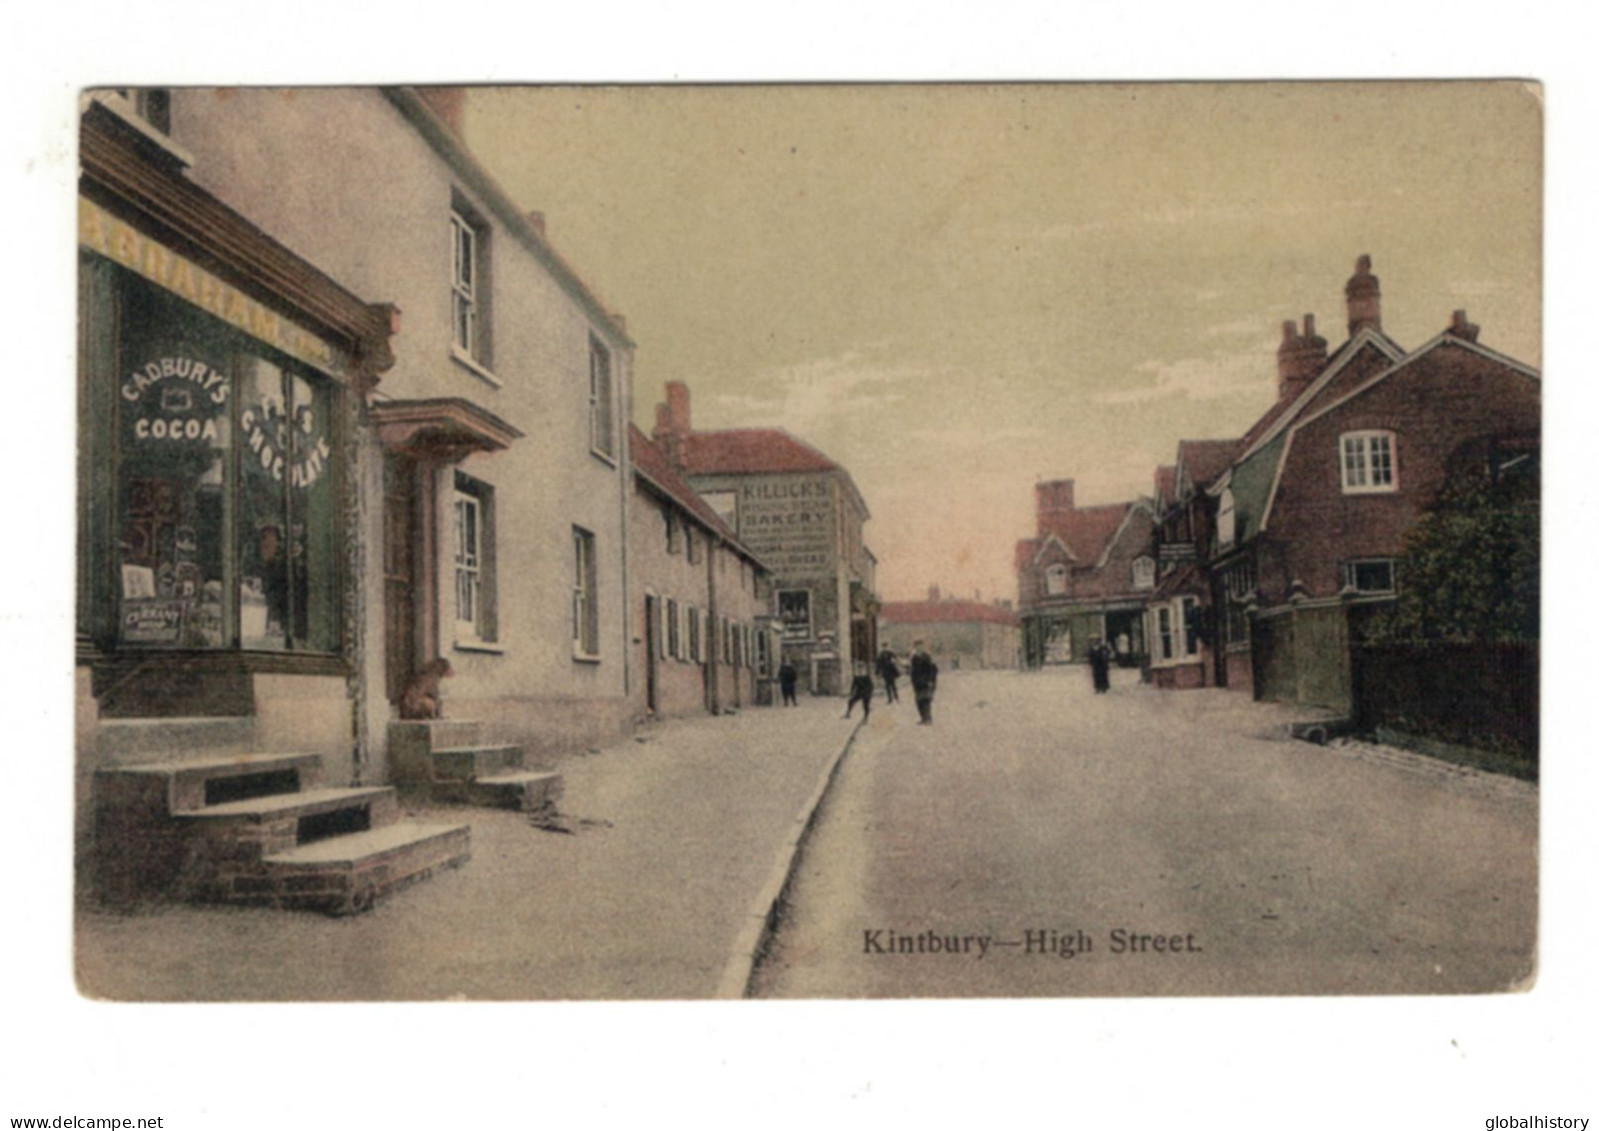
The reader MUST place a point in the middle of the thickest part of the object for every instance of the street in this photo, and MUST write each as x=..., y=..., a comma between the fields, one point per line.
x=1039, y=840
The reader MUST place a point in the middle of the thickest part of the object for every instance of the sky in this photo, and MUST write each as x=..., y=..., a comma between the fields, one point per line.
x=958, y=290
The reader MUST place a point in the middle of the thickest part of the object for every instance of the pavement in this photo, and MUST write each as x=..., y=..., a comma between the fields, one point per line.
x=677, y=843
x=1025, y=843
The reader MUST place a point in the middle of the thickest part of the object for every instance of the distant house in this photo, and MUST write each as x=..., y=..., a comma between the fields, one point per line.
x=1299, y=535
x=703, y=598
x=960, y=633
x=1085, y=574
x=800, y=513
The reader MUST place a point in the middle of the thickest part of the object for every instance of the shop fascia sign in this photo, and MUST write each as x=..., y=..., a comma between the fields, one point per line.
x=101, y=232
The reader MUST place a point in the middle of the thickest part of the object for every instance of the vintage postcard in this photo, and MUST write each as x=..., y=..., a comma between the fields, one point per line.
x=867, y=541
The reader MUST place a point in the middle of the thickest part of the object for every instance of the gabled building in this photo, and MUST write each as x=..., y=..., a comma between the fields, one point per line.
x=960, y=633
x=1309, y=517
x=1084, y=574
x=706, y=639
x=800, y=513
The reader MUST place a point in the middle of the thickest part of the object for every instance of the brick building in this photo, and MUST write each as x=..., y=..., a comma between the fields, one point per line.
x=960, y=633
x=705, y=639
x=802, y=514
x=1084, y=574
x=1301, y=530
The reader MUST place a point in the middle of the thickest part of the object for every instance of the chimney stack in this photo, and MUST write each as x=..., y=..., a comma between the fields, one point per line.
x=1364, y=298
x=1052, y=501
x=1461, y=328
x=448, y=102
x=672, y=425
x=1300, y=358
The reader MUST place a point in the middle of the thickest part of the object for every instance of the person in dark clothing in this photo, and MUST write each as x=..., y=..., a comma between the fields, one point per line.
x=924, y=681
x=1099, y=664
x=787, y=680
x=860, y=691
x=888, y=672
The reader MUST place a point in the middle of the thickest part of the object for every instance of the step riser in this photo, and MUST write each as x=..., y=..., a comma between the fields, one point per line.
x=119, y=742
x=411, y=745
x=464, y=765
x=530, y=797
x=344, y=889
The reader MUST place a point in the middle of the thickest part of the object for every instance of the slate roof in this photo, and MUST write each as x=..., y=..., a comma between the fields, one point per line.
x=650, y=462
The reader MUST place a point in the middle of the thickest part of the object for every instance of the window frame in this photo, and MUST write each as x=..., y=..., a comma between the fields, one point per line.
x=585, y=596
x=602, y=401
x=482, y=627
x=1143, y=572
x=1350, y=571
x=1358, y=461
x=1051, y=574
x=1226, y=520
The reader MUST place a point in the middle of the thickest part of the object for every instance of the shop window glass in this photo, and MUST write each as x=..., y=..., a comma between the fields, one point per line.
x=227, y=500
x=174, y=437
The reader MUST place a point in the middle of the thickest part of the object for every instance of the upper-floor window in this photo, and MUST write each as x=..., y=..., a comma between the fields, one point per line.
x=151, y=104
x=602, y=412
x=1226, y=521
x=1055, y=581
x=1144, y=573
x=1368, y=462
x=469, y=286
x=585, y=609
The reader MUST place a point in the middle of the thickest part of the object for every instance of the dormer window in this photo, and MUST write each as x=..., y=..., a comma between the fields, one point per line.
x=1144, y=573
x=1055, y=581
x=1368, y=462
x=1226, y=521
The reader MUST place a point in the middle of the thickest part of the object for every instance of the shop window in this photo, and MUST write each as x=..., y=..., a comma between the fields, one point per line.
x=794, y=612
x=585, y=606
x=1368, y=462
x=602, y=412
x=227, y=499
x=473, y=507
x=1177, y=630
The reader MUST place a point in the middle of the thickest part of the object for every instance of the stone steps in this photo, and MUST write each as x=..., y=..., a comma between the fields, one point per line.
x=258, y=828
x=445, y=760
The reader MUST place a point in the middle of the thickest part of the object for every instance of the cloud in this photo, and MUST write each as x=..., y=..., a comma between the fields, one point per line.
x=821, y=391
x=1196, y=378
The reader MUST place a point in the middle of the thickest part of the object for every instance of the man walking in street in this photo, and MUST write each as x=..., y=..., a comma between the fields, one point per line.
x=860, y=691
x=924, y=681
x=1099, y=664
x=787, y=680
x=888, y=672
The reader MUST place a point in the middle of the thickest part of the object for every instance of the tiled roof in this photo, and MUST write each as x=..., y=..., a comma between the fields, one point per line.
x=1087, y=530
x=651, y=462
x=1165, y=483
x=1204, y=460
x=747, y=450
x=951, y=611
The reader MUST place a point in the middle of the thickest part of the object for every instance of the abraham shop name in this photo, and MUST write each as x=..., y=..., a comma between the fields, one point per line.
x=1039, y=941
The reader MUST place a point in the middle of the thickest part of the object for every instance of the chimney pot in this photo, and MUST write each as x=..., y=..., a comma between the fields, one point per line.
x=1363, y=296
